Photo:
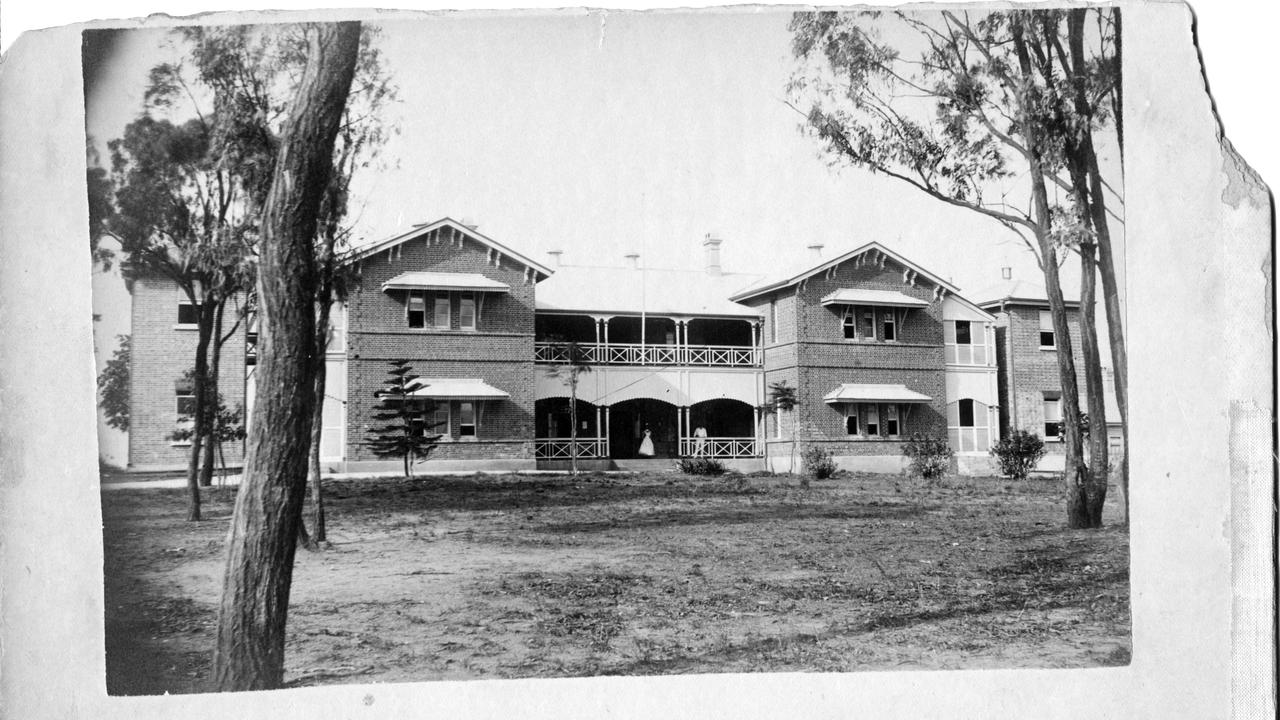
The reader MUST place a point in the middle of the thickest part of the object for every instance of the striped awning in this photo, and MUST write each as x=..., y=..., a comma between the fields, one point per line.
x=856, y=392
x=455, y=389
x=467, y=282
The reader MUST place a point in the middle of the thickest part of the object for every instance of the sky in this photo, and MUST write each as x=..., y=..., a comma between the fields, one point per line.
x=603, y=134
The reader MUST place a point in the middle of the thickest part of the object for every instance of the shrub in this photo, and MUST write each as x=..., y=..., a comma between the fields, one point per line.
x=700, y=466
x=930, y=456
x=1018, y=454
x=818, y=462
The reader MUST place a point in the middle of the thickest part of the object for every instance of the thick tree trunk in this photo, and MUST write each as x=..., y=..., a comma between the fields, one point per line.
x=1096, y=484
x=263, y=537
x=1075, y=474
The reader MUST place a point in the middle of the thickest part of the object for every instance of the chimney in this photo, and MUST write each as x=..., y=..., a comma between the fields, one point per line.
x=555, y=257
x=711, y=246
x=815, y=250
x=1006, y=273
x=469, y=223
x=634, y=260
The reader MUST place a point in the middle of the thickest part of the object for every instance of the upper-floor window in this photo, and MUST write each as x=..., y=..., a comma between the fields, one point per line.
x=188, y=313
x=441, y=317
x=1046, y=330
x=416, y=311
x=890, y=326
x=964, y=334
x=467, y=313
x=185, y=401
x=870, y=323
x=850, y=324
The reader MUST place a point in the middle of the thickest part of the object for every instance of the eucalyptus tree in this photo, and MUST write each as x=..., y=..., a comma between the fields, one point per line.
x=261, y=543
x=965, y=108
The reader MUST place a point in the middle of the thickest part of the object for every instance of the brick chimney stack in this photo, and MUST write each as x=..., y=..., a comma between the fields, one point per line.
x=555, y=257
x=815, y=251
x=633, y=260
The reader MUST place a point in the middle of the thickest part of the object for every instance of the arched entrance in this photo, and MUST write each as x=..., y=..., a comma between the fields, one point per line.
x=552, y=418
x=630, y=418
x=723, y=418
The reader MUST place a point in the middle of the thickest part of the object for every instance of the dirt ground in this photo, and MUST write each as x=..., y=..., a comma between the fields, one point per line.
x=501, y=577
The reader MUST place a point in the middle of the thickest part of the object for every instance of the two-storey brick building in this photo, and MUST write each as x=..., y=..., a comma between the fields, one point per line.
x=680, y=361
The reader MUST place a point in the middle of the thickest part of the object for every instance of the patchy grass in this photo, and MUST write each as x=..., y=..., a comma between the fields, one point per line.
x=457, y=578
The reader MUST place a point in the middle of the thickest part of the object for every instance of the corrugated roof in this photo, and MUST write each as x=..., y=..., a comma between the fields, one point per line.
x=857, y=392
x=444, y=281
x=652, y=290
x=859, y=296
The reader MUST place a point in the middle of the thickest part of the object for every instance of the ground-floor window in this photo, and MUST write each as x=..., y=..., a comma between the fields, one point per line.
x=467, y=419
x=969, y=425
x=873, y=420
x=1052, y=416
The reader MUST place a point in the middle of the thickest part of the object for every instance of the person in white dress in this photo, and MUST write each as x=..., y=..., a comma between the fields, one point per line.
x=646, y=445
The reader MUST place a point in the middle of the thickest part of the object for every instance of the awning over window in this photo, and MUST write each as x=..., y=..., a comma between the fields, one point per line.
x=452, y=389
x=858, y=296
x=854, y=392
x=472, y=282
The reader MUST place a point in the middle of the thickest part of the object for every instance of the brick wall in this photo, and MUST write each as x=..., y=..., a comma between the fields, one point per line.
x=1026, y=372
x=499, y=351
x=160, y=356
x=812, y=355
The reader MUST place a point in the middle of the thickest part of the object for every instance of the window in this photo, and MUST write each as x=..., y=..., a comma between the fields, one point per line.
x=1046, y=329
x=891, y=420
x=850, y=324
x=435, y=420
x=964, y=334
x=416, y=310
x=773, y=320
x=851, y=420
x=188, y=313
x=185, y=402
x=890, y=327
x=466, y=419
x=873, y=420
x=966, y=412
x=1052, y=417
x=868, y=328
x=467, y=313
x=442, y=313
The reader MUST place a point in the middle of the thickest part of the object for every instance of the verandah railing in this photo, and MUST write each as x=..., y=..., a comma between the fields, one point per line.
x=562, y=448
x=637, y=354
x=719, y=447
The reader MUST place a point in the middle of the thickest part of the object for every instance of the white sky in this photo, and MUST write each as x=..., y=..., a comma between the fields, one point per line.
x=632, y=132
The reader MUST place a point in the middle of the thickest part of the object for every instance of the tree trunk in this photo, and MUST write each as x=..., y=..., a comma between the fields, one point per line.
x=253, y=608
x=212, y=438
x=1075, y=473
x=200, y=391
x=317, y=429
x=1097, y=204
x=1096, y=484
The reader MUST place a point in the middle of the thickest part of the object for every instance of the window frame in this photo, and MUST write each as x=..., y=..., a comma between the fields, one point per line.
x=849, y=323
x=1053, y=335
x=892, y=415
x=195, y=310
x=889, y=324
x=872, y=420
x=973, y=416
x=968, y=328
x=1053, y=400
x=420, y=296
x=463, y=301
x=442, y=300
x=475, y=420
x=851, y=413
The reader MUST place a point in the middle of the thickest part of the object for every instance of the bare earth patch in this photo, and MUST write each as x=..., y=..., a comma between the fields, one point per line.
x=457, y=578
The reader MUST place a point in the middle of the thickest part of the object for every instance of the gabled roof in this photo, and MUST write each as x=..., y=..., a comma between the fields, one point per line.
x=791, y=278
x=1018, y=292
x=454, y=229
